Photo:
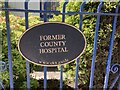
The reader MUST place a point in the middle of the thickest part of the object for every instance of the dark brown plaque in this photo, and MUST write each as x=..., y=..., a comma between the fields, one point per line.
x=52, y=44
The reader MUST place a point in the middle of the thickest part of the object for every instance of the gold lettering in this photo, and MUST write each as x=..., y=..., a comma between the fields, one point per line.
x=43, y=62
x=47, y=62
x=63, y=43
x=40, y=62
x=53, y=50
x=52, y=37
x=55, y=62
x=55, y=43
x=48, y=46
x=42, y=44
x=66, y=60
x=45, y=37
x=65, y=49
x=52, y=44
x=63, y=37
x=61, y=61
x=40, y=38
x=49, y=37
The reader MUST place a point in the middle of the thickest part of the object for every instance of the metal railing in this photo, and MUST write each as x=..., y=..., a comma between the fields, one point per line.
x=44, y=14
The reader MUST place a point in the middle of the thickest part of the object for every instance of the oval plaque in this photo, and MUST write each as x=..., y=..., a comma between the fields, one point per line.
x=52, y=44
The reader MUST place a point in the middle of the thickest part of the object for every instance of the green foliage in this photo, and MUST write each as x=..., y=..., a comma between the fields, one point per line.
x=17, y=27
x=34, y=84
x=88, y=28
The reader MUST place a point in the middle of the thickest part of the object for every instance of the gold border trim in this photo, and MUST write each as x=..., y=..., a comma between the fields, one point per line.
x=48, y=23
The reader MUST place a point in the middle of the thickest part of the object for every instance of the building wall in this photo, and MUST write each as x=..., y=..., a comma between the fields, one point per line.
x=20, y=5
x=32, y=5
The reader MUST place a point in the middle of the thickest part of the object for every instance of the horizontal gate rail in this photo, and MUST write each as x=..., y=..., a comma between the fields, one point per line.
x=58, y=12
x=44, y=15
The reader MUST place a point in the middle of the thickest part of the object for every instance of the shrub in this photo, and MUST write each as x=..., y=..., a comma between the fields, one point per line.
x=17, y=27
x=88, y=28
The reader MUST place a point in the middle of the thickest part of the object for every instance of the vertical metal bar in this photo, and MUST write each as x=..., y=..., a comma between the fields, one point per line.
x=114, y=82
x=27, y=63
x=61, y=77
x=95, y=47
x=78, y=59
x=110, y=51
x=76, y=75
x=61, y=67
x=63, y=11
x=1, y=87
x=81, y=16
x=119, y=82
x=45, y=77
x=45, y=68
x=40, y=8
x=119, y=71
x=9, y=46
x=45, y=8
x=2, y=69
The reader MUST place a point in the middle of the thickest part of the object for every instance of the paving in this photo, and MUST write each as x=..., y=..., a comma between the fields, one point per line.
x=50, y=75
